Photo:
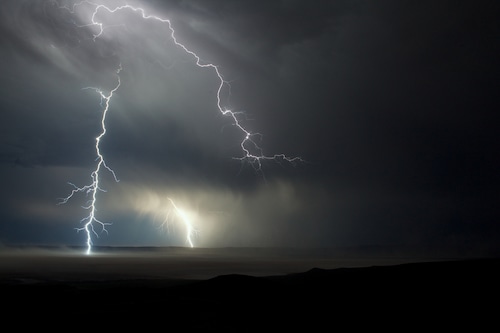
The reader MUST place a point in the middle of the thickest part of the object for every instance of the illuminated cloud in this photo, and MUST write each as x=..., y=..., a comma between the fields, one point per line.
x=99, y=22
x=390, y=104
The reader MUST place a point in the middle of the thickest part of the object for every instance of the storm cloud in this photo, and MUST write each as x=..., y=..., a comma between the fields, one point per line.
x=391, y=105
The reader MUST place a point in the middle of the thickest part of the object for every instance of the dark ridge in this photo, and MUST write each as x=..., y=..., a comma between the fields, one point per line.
x=442, y=295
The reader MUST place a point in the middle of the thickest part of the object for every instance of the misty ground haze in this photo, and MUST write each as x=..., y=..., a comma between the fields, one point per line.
x=46, y=263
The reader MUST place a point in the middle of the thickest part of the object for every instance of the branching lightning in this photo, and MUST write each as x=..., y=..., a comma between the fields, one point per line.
x=91, y=220
x=251, y=151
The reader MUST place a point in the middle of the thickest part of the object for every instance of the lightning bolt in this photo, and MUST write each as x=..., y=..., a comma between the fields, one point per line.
x=251, y=151
x=185, y=219
x=91, y=221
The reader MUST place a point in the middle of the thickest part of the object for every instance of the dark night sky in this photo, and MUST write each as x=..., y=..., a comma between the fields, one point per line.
x=391, y=104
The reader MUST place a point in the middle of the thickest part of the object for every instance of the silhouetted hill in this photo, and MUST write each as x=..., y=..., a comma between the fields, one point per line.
x=437, y=295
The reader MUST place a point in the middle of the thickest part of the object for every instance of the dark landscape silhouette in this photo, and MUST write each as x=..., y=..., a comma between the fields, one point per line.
x=443, y=293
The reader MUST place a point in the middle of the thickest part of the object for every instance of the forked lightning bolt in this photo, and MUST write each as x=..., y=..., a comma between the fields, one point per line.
x=251, y=151
x=91, y=221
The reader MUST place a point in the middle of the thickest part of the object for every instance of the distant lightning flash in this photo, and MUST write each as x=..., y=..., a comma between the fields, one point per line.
x=251, y=151
x=186, y=220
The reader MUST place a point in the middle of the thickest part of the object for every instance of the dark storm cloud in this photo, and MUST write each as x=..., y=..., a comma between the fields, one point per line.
x=43, y=57
x=391, y=103
x=48, y=35
x=393, y=100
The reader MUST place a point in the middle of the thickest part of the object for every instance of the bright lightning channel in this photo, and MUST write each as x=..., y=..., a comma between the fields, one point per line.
x=251, y=151
x=90, y=221
x=186, y=220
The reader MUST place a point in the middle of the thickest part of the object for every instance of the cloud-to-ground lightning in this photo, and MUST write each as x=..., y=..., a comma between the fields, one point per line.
x=251, y=151
x=91, y=220
x=185, y=219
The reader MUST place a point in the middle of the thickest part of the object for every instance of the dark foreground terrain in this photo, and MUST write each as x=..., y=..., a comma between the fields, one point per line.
x=435, y=296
